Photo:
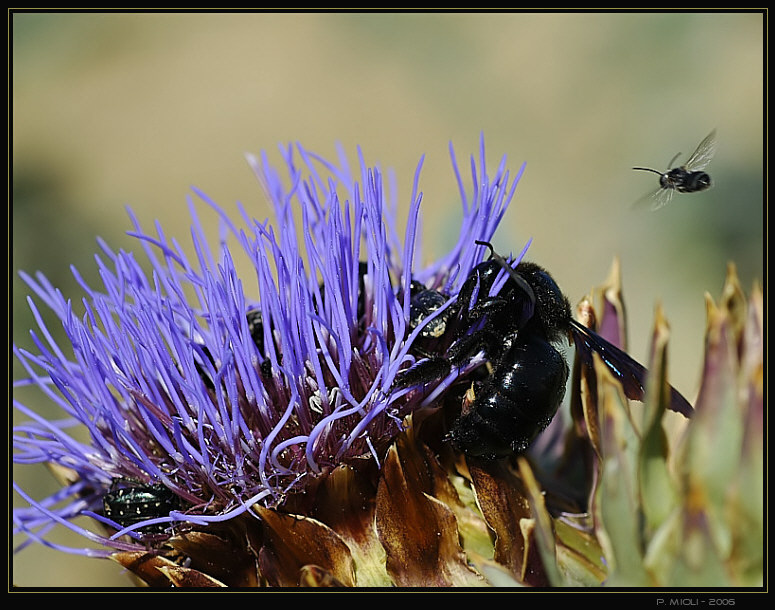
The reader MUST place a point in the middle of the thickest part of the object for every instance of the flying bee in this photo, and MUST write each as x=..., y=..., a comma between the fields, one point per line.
x=688, y=178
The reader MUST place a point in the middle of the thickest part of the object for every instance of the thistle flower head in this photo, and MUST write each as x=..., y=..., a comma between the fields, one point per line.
x=263, y=429
x=231, y=392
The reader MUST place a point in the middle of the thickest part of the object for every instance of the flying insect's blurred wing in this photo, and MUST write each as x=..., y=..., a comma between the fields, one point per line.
x=701, y=157
x=630, y=373
x=654, y=200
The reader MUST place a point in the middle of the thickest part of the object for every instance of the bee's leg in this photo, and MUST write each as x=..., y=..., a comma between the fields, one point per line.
x=468, y=346
x=422, y=373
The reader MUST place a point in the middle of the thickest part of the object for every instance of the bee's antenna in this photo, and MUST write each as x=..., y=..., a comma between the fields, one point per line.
x=518, y=279
x=648, y=169
x=485, y=243
x=669, y=165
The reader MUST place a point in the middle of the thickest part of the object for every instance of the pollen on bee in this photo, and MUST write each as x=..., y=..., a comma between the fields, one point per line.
x=468, y=399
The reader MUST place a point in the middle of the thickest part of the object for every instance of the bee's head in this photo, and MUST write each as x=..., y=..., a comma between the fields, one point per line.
x=552, y=309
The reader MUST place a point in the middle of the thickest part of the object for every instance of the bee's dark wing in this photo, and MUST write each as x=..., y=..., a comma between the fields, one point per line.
x=630, y=373
x=701, y=157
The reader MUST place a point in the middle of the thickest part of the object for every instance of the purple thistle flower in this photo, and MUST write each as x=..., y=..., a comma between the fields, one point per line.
x=232, y=391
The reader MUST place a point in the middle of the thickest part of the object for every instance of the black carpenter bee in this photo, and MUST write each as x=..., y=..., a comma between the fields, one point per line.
x=516, y=330
x=133, y=504
x=688, y=178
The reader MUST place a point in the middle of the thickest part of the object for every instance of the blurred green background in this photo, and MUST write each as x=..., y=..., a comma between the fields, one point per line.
x=112, y=110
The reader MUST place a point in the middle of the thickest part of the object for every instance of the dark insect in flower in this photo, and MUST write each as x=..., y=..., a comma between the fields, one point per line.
x=130, y=505
x=255, y=322
x=424, y=302
x=363, y=272
x=688, y=178
x=256, y=328
x=515, y=329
